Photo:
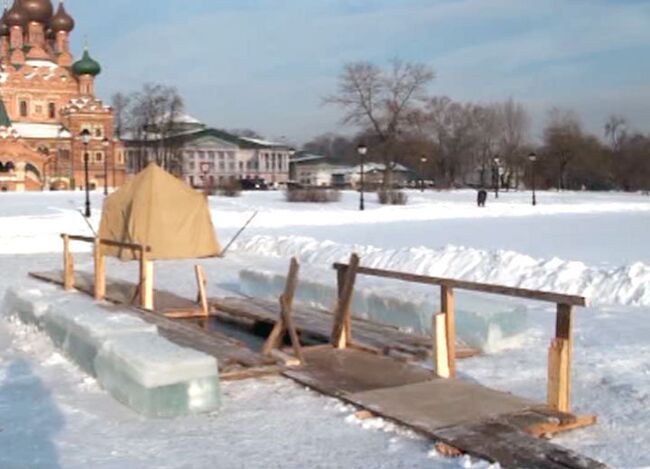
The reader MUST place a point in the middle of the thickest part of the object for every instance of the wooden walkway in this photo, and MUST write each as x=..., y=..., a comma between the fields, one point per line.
x=378, y=375
x=476, y=420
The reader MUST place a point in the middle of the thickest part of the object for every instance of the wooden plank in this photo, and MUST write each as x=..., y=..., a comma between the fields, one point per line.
x=558, y=373
x=202, y=286
x=512, y=448
x=448, y=307
x=293, y=334
x=146, y=283
x=440, y=349
x=100, y=271
x=341, y=332
x=572, y=300
x=342, y=372
x=68, y=265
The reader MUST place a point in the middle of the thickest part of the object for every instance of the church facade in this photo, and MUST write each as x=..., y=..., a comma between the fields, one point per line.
x=47, y=101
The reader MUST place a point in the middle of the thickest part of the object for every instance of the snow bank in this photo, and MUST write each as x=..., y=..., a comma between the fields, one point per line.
x=625, y=285
x=129, y=359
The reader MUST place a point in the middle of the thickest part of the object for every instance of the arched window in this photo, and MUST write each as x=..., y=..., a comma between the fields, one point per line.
x=30, y=168
x=23, y=109
x=9, y=166
x=51, y=110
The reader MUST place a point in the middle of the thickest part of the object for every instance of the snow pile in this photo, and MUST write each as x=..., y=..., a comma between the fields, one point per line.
x=626, y=285
x=129, y=359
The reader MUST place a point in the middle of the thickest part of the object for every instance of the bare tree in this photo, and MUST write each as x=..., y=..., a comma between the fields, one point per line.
x=561, y=135
x=121, y=107
x=488, y=127
x=515, y=123
x=153, y=116
x=380, y=102
x=615, y=130
x=452, y=128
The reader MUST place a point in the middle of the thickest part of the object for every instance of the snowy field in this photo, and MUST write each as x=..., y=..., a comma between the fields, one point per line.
x=596, y=245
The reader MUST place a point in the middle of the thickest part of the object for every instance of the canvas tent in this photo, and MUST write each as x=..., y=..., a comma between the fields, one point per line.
x=156, y=209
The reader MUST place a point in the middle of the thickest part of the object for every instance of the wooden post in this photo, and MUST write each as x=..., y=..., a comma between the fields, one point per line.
x=341, y=273
x=448, y=309
x=202, y=285
x=440, y=358
x=146, y=281
x=68, y=264
x=285, y=322
x=560, y=356
x=100, y=270
x=342, y=330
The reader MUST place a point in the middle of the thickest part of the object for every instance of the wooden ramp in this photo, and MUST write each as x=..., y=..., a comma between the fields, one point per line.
x=235, y=358
x=489, y=424
x=316, y=324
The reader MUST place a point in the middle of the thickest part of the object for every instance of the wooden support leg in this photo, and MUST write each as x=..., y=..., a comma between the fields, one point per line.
x=274, y=341
x=341, y=332
x=100, y=271
x=68, y=265
x=202, y=286
x=448, y=309
x=440, y=359
x=559, y=363
x=146, y=283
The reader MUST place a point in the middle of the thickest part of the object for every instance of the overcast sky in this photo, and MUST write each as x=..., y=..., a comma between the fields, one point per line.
x=266, y=64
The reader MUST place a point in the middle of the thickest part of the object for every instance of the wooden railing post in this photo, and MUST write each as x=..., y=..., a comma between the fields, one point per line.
x=342, y=330
x=559, y=360
x=440, y=349
x=146, y=281
x=68, y=264
x=448, y=309
x=100, y=270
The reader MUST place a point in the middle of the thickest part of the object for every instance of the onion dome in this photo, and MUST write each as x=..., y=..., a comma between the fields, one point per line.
x=38, y=10
x=16, y=15
x=86, y=66
x=4, y=28
x=62, y=21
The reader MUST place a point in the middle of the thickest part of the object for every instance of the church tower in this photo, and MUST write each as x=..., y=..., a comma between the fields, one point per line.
x=50, y=100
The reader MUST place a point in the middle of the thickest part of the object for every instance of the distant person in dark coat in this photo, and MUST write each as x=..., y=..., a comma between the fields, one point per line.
x=482, y=197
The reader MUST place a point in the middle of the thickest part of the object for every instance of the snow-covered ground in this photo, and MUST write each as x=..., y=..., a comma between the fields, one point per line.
x=51, y=415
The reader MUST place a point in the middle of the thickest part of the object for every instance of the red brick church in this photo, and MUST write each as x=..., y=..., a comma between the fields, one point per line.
x=47, y=99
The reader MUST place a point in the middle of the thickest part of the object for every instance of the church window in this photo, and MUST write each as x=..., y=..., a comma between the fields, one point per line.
x=23, y=108
x=51, y=110
x=99, y=157
x=98, y=132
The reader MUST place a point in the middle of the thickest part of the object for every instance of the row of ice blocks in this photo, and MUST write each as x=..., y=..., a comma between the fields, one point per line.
x=124, y=353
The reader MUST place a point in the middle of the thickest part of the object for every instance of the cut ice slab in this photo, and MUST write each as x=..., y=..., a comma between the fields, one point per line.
x=481, y=321
x=80, y=328
x=158, y=378
x=29, y=302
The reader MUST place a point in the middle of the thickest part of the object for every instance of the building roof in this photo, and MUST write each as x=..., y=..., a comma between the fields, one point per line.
x=86, y=65
x=304, y=157
x=32, y=130
x=243, y=143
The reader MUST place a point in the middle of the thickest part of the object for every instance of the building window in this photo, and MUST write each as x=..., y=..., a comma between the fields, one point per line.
x=221, y=155
x=51, y=110
x=222, y=165
x=38, y=109
x=23, y=109
x=98, y=132
x=211, y=155
x=202, y=155
x=99, y=157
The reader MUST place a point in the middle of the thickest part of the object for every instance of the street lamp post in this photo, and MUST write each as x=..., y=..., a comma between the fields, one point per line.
x=106, y=143
x=533, y=160
x=423, y=161
x=496, y=176
x=363, y=151
x=85, y=138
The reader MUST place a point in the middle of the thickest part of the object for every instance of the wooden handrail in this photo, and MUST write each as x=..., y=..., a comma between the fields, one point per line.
x=558, y=298
x=108, y=242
